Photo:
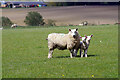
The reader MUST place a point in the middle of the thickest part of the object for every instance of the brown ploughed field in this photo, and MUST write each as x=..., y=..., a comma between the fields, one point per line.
x=68, y=14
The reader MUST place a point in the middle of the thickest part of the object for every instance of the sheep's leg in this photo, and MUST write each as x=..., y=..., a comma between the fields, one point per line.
x=50, y=53
x=71, y=55
x=86, y=52
x=81, y=52
x=75, y=52
x=71, y=52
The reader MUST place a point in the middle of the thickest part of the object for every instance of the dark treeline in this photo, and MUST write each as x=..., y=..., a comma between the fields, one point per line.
x=80, y=3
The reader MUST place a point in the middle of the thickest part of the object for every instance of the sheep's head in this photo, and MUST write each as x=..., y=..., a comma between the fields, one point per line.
x=84, y=39
x=73, y=32
x=89, y=37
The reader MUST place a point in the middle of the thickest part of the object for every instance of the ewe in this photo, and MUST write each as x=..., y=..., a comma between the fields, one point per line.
x=62, y=41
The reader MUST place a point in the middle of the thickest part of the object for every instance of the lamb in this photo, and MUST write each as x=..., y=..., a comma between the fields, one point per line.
x=84, y=44
x=14, y=25
x=62, y=41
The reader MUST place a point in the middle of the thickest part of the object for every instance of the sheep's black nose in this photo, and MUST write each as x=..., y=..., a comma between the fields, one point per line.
x=74, y=36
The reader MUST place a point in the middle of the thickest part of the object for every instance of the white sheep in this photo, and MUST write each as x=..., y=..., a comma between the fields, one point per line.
x=62, y=41
x=85, y=23
x=84, y=44
x=1, y=28
x=14, y=26
x=81, y=24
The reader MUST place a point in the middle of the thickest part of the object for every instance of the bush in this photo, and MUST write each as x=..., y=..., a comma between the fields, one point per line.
x=6, y=21
x=50, y=22
x=34, y=19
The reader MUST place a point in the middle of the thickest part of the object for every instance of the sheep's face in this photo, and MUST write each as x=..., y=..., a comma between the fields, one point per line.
x=84, y=39
x=73, y=32
x=89, y=38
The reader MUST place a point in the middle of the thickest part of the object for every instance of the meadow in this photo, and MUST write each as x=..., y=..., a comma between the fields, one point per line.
x=25, y=52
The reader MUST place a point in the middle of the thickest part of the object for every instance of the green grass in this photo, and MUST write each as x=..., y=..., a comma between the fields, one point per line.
x=25, y=54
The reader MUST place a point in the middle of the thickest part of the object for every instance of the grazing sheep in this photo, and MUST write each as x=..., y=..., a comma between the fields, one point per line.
x=62, y=41
x=85, y=23
x=81, y=24
x=84, y=44
x=14, y=26
x=1, y=28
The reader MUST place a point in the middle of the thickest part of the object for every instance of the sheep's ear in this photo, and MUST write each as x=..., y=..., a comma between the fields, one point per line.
x=91, y=35
x=85, y=36
x=76, y=29
x=69, y=29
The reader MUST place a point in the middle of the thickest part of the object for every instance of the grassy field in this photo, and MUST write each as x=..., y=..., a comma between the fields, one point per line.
x=25, y=54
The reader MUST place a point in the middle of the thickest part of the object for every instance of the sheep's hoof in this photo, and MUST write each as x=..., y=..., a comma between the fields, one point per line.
x=86, y=56
x=49, y=57
x=74, y=55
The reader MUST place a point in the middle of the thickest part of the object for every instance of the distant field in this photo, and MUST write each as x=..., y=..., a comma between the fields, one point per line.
x=25, y=54
x=67, y=14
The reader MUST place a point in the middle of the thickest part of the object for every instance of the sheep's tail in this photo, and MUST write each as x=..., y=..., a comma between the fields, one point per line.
x=47, y=39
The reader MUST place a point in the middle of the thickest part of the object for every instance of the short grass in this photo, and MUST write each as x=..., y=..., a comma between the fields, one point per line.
x=25, y=54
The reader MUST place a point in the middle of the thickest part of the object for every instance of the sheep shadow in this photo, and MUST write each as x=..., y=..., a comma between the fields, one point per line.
x=88, y=55
x=76, y=56
x=92, y=55
x=62, y=57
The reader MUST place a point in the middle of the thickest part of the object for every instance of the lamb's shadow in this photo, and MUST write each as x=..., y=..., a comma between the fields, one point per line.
x=62, y=57
x=92, y=55
x=88, y=55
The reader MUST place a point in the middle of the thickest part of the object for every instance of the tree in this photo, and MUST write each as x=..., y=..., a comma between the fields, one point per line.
x=6, y=21
x=34, y=19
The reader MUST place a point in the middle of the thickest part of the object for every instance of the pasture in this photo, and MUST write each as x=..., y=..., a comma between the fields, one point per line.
x=25, y=52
